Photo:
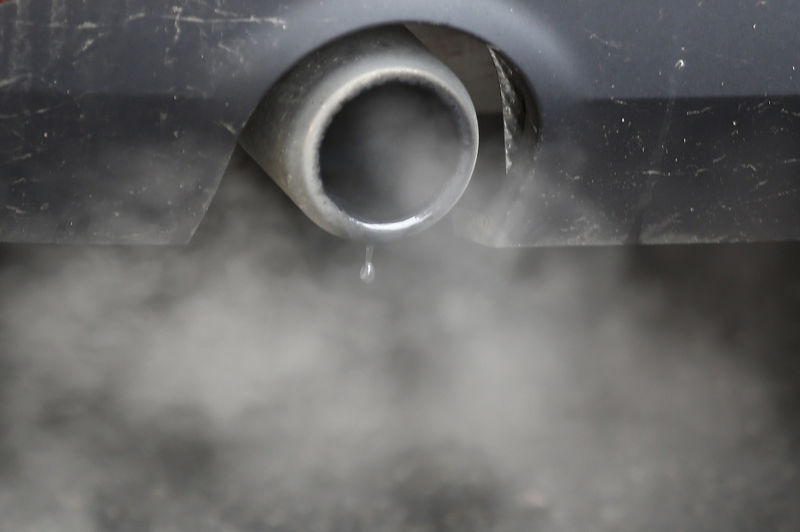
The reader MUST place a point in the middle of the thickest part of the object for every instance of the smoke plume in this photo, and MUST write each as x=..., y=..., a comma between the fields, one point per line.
x=251, y=382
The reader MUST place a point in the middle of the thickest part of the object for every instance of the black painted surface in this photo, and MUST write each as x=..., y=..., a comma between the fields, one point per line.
x=649, y=171
x=74, y=79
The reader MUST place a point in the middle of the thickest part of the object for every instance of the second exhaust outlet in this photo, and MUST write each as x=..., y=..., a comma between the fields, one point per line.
x=372, y=136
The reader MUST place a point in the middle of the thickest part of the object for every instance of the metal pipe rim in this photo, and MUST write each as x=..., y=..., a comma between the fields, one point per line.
x=445, y=86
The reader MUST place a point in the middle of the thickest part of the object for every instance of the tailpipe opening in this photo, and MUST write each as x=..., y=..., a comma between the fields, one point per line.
x=372, y=136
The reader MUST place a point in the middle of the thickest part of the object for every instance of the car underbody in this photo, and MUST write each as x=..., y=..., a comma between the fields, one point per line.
x=600, y=123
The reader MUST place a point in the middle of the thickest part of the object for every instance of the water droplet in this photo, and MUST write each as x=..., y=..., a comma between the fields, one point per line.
x=368, y=269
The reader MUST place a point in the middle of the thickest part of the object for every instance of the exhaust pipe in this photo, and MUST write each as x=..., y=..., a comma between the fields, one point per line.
x=372, y=136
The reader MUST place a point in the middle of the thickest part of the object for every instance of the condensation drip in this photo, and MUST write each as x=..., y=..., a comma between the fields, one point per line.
x=368, y=269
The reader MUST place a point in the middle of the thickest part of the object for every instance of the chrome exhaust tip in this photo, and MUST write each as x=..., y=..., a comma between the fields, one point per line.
x=372, y=136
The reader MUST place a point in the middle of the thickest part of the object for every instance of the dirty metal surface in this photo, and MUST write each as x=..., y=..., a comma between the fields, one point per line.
x=660, y=121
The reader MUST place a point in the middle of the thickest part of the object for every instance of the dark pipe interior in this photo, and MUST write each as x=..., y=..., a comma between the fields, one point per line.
x=390, y=151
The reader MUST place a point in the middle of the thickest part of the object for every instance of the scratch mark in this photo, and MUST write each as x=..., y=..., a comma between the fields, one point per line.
x=698, y=111
x=15, y=210
x=13, y=79
x=231, y=51
x=88, y=44
x=16, y=134
x=178, y=12
x=135, y=17
x=224, y=13
x=229, y=127
x=777, y=195
x=54, y=25
x=275, y=21
x=610, y=44
x=17, y=159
